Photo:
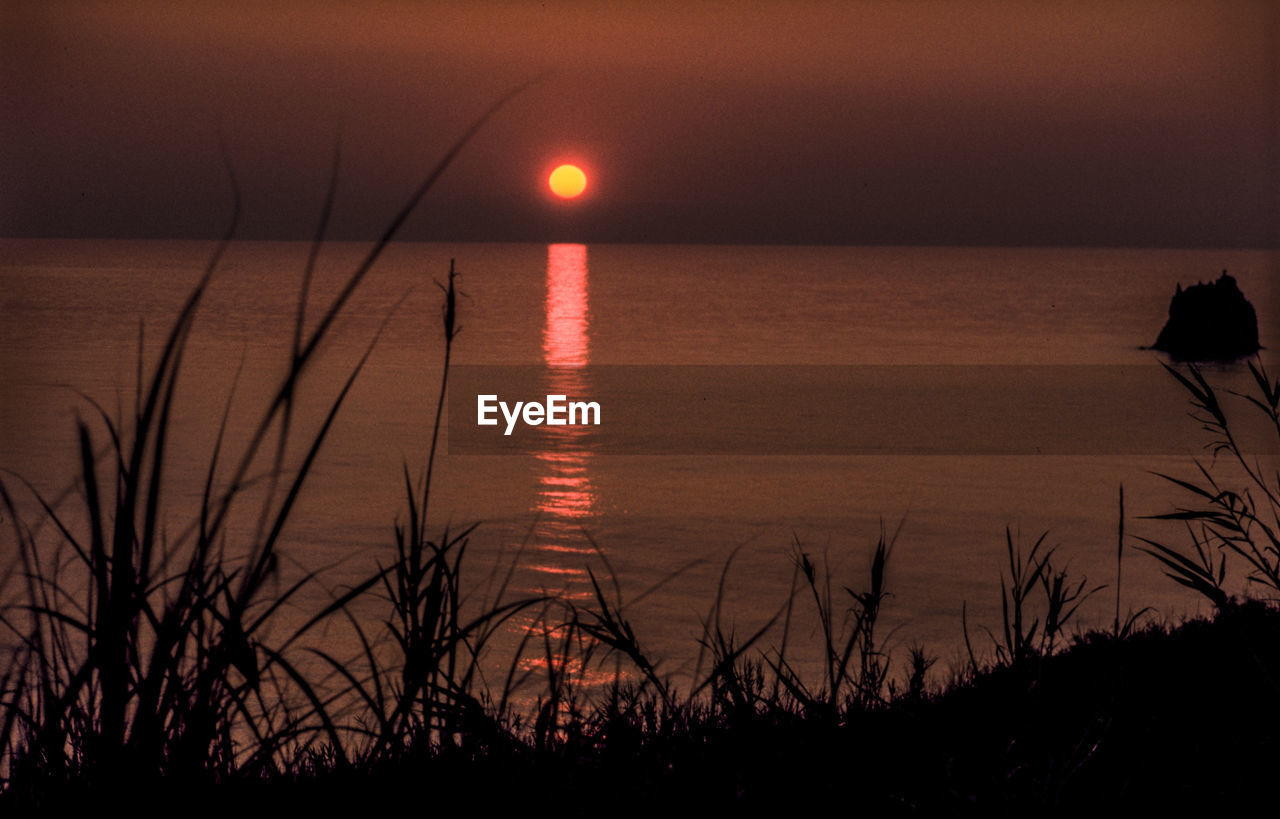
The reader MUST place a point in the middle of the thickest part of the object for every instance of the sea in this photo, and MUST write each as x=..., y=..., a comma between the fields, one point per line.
x=681, y=535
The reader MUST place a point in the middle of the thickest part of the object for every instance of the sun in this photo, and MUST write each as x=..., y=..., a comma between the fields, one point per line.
x=567, y=181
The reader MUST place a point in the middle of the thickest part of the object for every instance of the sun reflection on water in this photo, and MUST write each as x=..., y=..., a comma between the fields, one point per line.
x=564, y=338
x=566, y=498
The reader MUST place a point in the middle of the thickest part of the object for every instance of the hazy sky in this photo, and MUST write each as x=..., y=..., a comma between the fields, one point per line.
x=1015, y=122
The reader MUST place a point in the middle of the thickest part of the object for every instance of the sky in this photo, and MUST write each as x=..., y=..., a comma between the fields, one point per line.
x=1009, y=122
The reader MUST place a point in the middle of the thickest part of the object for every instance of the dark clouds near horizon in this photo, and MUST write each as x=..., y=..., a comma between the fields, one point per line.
x=868, y=122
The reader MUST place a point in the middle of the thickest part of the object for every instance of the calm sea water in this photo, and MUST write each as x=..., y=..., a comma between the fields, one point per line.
x=75, y=313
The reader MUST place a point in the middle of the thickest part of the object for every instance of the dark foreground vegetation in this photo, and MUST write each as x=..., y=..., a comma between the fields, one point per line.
x=142, y=672
x=1159, y=719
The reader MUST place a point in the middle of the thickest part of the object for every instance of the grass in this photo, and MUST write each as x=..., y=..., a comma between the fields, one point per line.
x=145, y=662
x=138, y=654
x=1224, y=522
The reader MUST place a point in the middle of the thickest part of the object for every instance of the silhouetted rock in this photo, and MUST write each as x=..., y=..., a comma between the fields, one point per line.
x=1210, y=322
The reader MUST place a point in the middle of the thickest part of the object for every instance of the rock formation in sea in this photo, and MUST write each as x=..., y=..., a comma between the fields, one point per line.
x=1210, y=322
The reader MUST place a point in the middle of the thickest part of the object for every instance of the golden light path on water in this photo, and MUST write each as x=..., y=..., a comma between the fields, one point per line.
x=565, y=495
x=566, y=499
x=565, y=344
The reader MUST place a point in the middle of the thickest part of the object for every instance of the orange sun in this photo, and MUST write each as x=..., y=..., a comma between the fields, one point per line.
x=567, y=181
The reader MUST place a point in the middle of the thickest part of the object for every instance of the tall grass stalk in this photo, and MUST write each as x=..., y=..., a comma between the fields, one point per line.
x=1037, y=601
x=431, y=698
x=855, y=664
